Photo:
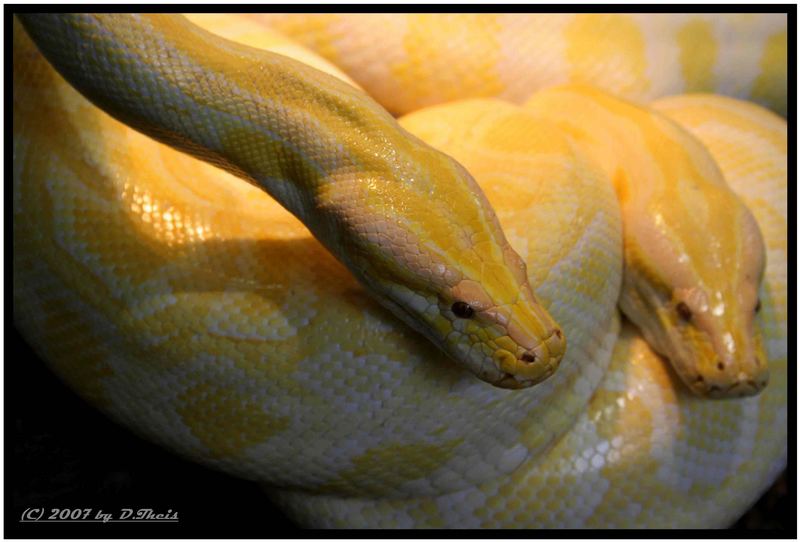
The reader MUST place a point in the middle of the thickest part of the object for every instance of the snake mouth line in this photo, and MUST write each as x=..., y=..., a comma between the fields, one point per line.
x=745, y=388
x=511, y=382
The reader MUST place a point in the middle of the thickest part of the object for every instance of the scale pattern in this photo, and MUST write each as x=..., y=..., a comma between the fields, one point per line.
x=644, y=453
x=410, y=61
x=192, y=308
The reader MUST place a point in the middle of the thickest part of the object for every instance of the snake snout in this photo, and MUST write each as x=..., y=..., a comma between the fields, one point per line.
x=533, y=365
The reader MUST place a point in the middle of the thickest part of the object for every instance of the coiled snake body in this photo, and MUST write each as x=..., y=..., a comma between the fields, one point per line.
x=192, y=308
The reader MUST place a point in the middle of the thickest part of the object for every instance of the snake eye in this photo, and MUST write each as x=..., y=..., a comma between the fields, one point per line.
x=683, y=311
x=758, y=305
x=462, y=310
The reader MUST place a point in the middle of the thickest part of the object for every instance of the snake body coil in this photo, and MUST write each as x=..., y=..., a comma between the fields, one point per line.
x=191, y=307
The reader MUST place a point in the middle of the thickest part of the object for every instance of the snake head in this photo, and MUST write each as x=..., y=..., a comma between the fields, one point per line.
x=431, y=250
x=696, y=301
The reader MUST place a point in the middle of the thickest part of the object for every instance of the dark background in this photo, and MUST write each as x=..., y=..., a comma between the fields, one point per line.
x=61, y=453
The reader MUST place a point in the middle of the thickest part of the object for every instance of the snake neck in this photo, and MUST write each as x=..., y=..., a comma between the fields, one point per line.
x=277, y=123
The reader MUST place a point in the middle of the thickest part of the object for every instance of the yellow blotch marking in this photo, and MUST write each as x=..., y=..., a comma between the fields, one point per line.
x=409, y=462
x=769, y=87
x=698, y=54
x=477, y=74
x=315, y=32
x=625, y=422
x=702, y=114
x=621, y=184
x=516, y=134
x=225, y=420
x=603, y=43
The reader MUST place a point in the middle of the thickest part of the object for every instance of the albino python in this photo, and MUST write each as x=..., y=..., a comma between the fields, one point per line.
x=194, y=309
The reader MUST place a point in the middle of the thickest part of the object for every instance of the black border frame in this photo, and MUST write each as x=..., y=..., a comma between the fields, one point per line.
x=130, y=472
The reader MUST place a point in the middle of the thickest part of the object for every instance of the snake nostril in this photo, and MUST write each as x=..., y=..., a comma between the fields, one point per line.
x=528, y=357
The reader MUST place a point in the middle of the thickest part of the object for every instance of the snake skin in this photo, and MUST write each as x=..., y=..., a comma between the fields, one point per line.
x=192, y=308
x=425, y=59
